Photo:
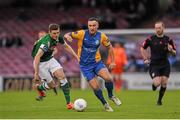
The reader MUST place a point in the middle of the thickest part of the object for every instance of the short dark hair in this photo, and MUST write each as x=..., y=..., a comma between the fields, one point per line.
x=94, y=19
x=54, y=26
x=159, y=21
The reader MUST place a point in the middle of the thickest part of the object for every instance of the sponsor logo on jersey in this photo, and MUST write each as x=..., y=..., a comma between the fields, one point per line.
x=97, y=42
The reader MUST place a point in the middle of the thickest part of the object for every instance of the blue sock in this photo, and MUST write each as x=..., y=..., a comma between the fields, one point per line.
x=109, y=87
x=99, y=95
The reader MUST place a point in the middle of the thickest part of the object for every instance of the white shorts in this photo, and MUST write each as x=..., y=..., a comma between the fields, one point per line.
x=46, y=69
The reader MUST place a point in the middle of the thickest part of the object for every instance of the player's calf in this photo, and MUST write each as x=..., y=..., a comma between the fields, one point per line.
x=65, y=86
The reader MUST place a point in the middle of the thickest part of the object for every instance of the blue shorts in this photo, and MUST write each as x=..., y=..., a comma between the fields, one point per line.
x=90, y=71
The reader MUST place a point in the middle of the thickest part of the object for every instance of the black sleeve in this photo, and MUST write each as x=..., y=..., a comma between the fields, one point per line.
x=61, y=40
x=172, y=43
x=146, y=43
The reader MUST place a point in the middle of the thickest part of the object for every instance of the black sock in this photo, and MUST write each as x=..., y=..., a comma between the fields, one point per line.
x=109, y=87
x=154, y=87
x=99, y=95
x=161, y=93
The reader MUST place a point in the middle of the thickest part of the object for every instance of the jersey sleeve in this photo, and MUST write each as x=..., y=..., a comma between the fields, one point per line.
x=45, y=45
x=61, y=40
x=77, y=35
x=172, y=43
x=146, y=43
x=105, y=40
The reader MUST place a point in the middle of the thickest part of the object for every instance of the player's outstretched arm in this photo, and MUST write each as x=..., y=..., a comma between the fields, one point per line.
x=69, y=49
x=68, y=37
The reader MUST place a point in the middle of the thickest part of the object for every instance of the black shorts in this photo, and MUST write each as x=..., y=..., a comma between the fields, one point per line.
x=159, y=70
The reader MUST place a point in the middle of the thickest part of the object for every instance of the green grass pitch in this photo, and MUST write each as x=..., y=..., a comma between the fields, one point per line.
x=135, y=104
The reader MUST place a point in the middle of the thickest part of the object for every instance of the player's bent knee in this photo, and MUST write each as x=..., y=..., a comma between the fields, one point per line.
x=157, y=83
x=95, y=88
x=62, y=77
x=108, y=80
x=59, y=74
x=164, y=84
x=51, y=84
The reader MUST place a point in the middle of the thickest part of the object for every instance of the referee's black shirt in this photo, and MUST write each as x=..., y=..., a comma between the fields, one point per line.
x=158, y=47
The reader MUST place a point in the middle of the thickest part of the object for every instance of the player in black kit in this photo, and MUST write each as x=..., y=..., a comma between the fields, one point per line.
x=159, y=67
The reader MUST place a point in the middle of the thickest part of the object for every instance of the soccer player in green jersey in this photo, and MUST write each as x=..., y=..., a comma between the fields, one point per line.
x=45, y=65
x=41, y=34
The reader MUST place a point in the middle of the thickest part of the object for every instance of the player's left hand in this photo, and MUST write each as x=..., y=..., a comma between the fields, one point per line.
x=36, y=81
x=112, y=65
x=170, y=48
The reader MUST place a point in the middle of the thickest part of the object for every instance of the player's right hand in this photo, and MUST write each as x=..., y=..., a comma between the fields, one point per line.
x=112, y=65
x=146, y=61
x=36, y=78
x=35, y=82
x=68, y=37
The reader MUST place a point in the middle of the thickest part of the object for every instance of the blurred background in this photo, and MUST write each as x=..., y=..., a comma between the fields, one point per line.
x=126, y=22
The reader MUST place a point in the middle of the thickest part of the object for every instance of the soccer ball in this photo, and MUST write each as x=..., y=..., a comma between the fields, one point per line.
x=80, y=105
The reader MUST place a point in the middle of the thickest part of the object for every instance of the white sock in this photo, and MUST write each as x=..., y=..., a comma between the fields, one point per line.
x=63, y=82
x=46, y=85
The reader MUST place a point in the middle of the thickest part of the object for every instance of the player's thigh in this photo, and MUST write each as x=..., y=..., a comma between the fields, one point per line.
x=88, y=72
x=154, y=71
x=164, y=81
x=54, y=65
x=94, y=83
x=59, y=74
x=51, y=84
x=165, y=70
x=44, y=73
x=56, y=69
x=157, y=80
x=104, y=73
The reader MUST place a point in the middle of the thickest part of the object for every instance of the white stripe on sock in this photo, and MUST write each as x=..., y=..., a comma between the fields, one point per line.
x=63, y=82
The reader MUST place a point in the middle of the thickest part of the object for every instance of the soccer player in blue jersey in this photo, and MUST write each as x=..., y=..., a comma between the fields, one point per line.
x=90, y=59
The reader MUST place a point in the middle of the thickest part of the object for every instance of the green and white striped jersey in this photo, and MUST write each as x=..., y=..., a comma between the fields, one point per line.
x=47, y=44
